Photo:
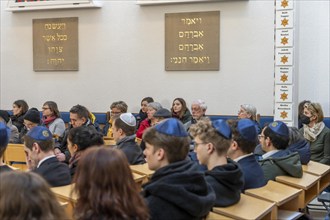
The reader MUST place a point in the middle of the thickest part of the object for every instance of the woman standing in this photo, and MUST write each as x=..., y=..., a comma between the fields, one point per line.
x=316, y=133
x=20, y=107
x=180, y=110
x=103, y=194
x=51, y=118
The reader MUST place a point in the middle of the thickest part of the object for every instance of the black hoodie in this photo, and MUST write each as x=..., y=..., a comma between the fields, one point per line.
x=178, y=191
x=227, y=181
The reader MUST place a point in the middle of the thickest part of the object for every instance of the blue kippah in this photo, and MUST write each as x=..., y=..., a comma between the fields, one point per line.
x=172, y=127
x=4, y=134
x=279, y=128
x=40, y=133
x=247, y=129
x=222, y=128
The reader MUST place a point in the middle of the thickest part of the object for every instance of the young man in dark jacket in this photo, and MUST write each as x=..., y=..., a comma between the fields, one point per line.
x=123, y=130
x=277, y=161
x=39, y=150
x=177, y=190
x=245, y=138
x=212, y=140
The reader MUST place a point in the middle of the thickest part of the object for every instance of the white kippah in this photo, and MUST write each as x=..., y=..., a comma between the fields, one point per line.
x=128, y=119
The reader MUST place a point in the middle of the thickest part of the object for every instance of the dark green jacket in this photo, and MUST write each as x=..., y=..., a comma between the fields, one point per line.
x=286, y=165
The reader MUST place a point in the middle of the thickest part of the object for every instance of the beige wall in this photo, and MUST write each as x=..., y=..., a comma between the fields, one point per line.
x=121, y=56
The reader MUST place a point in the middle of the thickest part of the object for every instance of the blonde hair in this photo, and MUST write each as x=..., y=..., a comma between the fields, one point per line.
x=316, y=110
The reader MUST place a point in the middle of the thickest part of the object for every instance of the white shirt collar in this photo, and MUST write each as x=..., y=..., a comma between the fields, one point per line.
x=243, y=156
x=41, y=161
x=270, y=153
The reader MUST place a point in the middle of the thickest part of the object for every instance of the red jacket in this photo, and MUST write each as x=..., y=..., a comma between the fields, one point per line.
x=143, y=126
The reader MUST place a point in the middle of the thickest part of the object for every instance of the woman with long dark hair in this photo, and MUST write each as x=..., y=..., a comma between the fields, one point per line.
x=180, y=111
x=20, y=107
x=106, y=188
x=26, y=195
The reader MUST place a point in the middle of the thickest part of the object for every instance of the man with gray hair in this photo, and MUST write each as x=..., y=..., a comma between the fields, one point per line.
x=198, y=109
x=250, y=112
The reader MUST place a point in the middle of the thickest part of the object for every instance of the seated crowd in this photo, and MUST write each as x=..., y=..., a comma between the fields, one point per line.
x=198, y=163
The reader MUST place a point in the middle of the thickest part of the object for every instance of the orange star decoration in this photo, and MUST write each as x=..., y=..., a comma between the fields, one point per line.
x=284, y=115
x=284, y=40
x=284, y=96
x=284, y=59
x=284, y=78
x=284, y=3
x=284, y=22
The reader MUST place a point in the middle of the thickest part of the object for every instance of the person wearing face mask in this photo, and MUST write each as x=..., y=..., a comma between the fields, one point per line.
x=316, y=133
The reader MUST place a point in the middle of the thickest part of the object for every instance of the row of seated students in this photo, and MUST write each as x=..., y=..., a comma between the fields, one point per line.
x=270, y=142
x=22, y=119
x=177, y=188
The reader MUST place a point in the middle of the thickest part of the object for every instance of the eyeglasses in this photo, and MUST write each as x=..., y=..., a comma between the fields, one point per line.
x=114, y=113
x=261, y=136
x=196, y=144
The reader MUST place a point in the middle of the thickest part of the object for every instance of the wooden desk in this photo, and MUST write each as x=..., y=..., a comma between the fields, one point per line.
x=215, y=216
x=139, y=179
x=284, y=196
x=142, y=169
x=15, y=153
x=109, y=142
x=248, y=208
x=319, y=169
x=308, y=183
x=63, y=195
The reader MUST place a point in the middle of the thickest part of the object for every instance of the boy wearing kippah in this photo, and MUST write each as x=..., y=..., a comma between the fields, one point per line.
x=212, y=140
x=245, y=138
x=123, y=129
x=40, y=157
x=177, y=190
x=277, y=161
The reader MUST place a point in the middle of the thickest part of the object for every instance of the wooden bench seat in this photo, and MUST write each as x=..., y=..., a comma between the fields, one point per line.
x=15, y=153
x=308, y=183
x=142, y=169
x=285, y=197
x=321, y=170
x=248, y=208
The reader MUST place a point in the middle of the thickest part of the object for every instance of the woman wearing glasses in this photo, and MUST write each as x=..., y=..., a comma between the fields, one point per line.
x=316, y=133
x=51, y=118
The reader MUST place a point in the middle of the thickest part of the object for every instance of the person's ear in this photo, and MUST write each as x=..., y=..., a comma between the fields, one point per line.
x=75, y=148
x=36, y=147
x=234, y=145
x=84, y=119
x=268, y=141
x=160, y=154
x=120, y=131
x=210, y=148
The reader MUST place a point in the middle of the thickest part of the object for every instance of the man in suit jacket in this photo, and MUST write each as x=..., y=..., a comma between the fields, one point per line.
x=40, y=157
x=241, y=150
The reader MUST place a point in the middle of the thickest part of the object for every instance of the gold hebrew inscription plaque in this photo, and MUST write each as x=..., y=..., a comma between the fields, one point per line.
x=55, y=44
x=192, y=41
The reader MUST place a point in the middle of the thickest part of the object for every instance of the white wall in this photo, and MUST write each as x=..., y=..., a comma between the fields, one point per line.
x=121, y=57
x=313, y=57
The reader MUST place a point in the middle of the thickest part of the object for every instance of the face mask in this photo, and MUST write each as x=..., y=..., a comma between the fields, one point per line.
x=305, y=119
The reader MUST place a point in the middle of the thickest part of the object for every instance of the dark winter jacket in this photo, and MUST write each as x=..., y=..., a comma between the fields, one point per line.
x=282, y=163
x=132, y=151
x=178, y=191
x=303, y=149
x=227, y=181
